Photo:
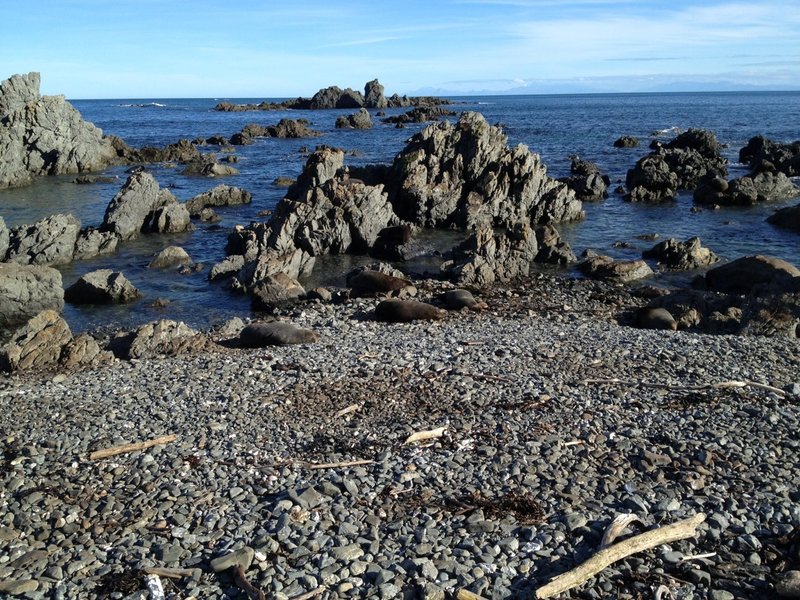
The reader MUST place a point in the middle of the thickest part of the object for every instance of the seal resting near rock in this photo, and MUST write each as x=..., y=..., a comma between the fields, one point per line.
x=460, y=298
x=395, y=310
x=275, y=333
x=651, y=317
x=369, y=282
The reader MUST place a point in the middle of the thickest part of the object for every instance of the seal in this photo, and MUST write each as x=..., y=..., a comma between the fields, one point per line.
x=369, y=282
x=651, y=317
x=395, y=310
x=275, y=333
x=459, y=298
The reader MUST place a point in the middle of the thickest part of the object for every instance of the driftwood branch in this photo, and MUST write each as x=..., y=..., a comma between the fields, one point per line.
x=423, y=436
x=309, y=595
x=336, y=465
x=607, y=556
x=241, y=580
x=617, y=526
x=126, y=448
x=168, y=573
x=691, y=388
x=467, y=595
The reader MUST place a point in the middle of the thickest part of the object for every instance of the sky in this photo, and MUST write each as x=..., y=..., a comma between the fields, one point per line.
x=268, y=49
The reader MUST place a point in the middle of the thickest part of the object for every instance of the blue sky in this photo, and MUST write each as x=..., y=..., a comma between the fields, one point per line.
x=244, y=48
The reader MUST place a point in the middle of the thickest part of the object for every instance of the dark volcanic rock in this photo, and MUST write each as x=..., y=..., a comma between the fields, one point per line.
x=45, y=135
x=586, y=181
x=421, y=114
x=626, y=141
x=762, y=154
x=26, y=290
x=103, y=286
x=359, y=120
x=373, y=95
x=687, y=255
x=786, y=218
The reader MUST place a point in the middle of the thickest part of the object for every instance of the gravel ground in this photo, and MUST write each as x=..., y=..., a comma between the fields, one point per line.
x=539, y=453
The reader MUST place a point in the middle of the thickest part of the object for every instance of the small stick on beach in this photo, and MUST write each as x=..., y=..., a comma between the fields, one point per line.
x=691, y=388
x=126, y=448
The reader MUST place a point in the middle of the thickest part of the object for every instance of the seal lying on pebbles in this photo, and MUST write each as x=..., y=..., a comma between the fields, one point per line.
x=655, y=318
x=458, y=299
x=395, y=310
x=275, y=333
x=369, y=282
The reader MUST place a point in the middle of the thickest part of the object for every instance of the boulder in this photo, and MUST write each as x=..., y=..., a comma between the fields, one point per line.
x=464, y=175
x=227, y=267
x=102, y=286
x=359, y=120
x=45, y=135
x=222, y=195
x=172, y=217
x=395, y=310
x=586, y=181
x=294, y=263
x=92, y=242
x=750, y=274
x=170, y=257
x=83, y=350
x=335, y=97
x=551, y=248
x=275, y=333
x=626, y=141
x=786, y=218
x=651, y=180
x=606, y=268
x=26, y=290
x=37, y=344
x=292, y=129
x=275, y=290
x=162, y=337
x=486, y=257
x=682, y=256
x=50, y=241
x=133, y=205
x=765, y=186
x=206, y=165
x=373, y=95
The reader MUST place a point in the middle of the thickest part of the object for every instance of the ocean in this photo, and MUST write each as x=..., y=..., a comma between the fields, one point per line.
x=555, y=126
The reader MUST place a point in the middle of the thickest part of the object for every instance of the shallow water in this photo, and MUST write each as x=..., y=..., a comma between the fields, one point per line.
x=555, y=126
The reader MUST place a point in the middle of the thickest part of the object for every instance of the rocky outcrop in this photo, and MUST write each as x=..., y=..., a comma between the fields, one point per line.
x=753, y=274
x=420, y=114
x=764, y=186
x=4, y=239
x=83, y=349
x=762, y=154
x=786, y=218
x=358, y=120
x=274, y=291
x=464, y=175
x=586, y=180
x=284, y=129
x=45, y=135
x=158, y=338
x=141, y=205
x=606, y=268
x=485, y=257
x=373, y=95
x=37, y=344
x=222, y=195
x=336, y=97
x=92, y=242
x=26, y=290
x=680, y=165
x=182, y=151
x=681, y=256
x=103, y=286
x=170, y=257
x=626, y=141
x=326, y=212
x=208, y=166
x=50, y=241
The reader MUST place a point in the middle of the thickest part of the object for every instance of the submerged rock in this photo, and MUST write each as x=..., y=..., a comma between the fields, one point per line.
x=677, y=255
x=786, y=218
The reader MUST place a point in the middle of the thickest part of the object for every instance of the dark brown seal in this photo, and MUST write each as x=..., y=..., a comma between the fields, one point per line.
x=369, y=282
x=275, y=333
x=655, y=318
x=395, y=310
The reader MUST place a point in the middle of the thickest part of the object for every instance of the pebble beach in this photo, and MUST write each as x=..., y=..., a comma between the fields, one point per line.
x=545, y=419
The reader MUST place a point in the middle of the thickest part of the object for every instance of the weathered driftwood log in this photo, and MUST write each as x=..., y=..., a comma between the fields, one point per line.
x=126, y=448
x=607, y=556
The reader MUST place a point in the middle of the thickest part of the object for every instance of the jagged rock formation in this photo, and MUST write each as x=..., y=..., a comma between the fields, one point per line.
x=358, y=120
x=764, y=186
x=50, y=241
x=464, y=175
x=222, y=195
x=586, y=180
x=420, y=114
x=284, y=129
x=45, y=135
x=680, y=165
x=336, y=97
x=688, y=255
x=762, y=154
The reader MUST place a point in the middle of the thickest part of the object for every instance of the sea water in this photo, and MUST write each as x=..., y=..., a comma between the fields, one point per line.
x=555, y=126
